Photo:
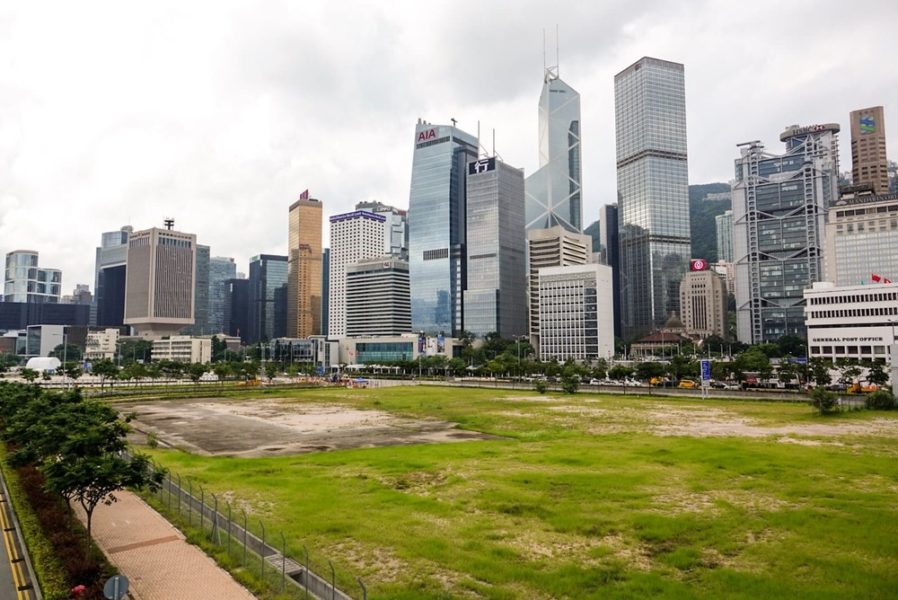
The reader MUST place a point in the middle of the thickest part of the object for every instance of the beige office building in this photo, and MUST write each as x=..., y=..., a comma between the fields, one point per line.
x=552, y=247
x=868, y=149
x=159, y=288
x=304, y=268
x=862, y=239
x=703, y=304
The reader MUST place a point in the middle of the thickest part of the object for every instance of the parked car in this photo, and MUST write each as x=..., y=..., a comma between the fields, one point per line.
x=687, y=384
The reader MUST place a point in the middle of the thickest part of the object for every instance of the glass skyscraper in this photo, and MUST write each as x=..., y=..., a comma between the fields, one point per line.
x=779, y=214
x=267, y=298
x=496, y=265
x=436, y=220
x=221, y=269
x=553, y=191
x=653, y=191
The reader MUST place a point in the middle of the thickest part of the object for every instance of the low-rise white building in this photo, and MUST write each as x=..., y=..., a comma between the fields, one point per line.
x=183, y=348
x=101, y=344
x=858, y=322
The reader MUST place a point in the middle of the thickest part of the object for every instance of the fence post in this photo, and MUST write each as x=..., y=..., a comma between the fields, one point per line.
x=202, y=506
x=364, y=589
x=333, y=580
x=261, y=555
x=168, y=480
x=230, y=529
x=305, y=576
x=283, y=561
x=244, y=536
x=180, y=493
x=216, y=535
x=189, y=502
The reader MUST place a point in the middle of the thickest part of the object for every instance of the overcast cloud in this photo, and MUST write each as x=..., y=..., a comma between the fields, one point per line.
x=219, y=114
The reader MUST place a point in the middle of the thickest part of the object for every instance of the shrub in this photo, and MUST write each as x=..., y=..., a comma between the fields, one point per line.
x=880, y=400
x=541, y=386
x=570, y=384
x=825, y=402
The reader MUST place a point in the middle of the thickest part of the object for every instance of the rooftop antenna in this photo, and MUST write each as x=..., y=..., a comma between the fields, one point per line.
x=544, y=49
x=557, y=61
x=169, y=223
x=454, y=121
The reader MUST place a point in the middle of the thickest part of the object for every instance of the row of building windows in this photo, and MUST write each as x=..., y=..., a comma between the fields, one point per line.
x=854, y=298
x=853, y=312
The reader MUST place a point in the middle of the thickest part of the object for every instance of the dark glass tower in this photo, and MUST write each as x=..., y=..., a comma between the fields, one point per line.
x=653, y=191
x=267, y=297
x=436, y=218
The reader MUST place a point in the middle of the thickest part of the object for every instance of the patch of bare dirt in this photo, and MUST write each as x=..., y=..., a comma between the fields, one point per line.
x=273, y=427
x=709, y=502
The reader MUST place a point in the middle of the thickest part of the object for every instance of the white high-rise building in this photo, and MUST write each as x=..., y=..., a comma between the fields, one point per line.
x=576, y=313
x=395, y=227
x=355, y=236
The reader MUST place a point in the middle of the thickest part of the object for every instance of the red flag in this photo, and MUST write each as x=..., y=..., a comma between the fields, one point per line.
x=887, y=281
x=875, y=277
x=304, y=195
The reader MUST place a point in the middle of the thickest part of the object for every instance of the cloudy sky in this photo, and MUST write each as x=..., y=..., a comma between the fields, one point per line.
x=220, y=113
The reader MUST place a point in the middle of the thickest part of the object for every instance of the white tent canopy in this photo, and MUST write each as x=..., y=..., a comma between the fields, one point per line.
x=43, y=363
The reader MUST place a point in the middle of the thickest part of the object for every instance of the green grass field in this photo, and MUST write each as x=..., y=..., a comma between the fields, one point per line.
x=589, y=496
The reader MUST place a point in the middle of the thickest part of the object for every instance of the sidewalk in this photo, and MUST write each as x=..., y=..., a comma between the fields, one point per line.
x=153, y=555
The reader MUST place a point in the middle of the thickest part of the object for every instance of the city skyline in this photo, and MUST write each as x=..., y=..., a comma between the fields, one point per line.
x=241, y=141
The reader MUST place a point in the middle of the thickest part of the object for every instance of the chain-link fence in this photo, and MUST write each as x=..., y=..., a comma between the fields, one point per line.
x=259, y=550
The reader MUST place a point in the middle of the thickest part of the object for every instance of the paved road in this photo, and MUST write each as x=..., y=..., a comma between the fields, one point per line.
x=15, y=575
x=154, y=556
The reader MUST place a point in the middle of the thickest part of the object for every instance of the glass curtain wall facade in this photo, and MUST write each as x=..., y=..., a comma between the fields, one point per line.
x=653, y=191
x=779, y=212
x=267, y=297
x=201, y=294
x=220, y=270
x=724, y=225
x=496, y=264
x=26, y=282
x=553, y=191
x=436, y=219
x=109, y=282
x=609, y=242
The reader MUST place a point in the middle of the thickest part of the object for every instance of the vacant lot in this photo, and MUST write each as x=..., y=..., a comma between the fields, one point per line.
x=583, y=496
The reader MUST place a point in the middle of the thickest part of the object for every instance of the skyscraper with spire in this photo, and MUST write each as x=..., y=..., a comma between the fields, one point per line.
x=553, y=191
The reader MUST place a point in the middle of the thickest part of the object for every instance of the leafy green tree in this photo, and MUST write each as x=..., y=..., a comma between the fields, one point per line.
x=72, y=370
x=825, y=402
x=787, y=371
x=135, y=350
x=222, y=370
x=105, y=369
x=792, y=345
x=29, y=375
x=683, y=366
x=196, y=371
x=271, y=370
x=649, y=369
x=753, y=360
x=219, y=349
x=570, y=383
x=819, y=371
x=876, y=373
x=457, y=366
x=67, y=352
x=620, y=372
x=541, y=386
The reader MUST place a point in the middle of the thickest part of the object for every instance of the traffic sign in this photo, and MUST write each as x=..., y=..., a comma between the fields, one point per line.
x=116, y=587
x=706, y=370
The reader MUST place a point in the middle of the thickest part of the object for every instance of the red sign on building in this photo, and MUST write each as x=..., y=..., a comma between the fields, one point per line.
x=698, y=264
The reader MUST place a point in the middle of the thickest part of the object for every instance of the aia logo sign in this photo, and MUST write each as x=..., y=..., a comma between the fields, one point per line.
x=698, y=264
x=426, y=135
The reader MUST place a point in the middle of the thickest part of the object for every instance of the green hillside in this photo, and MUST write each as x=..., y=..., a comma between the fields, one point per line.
x=701, y=217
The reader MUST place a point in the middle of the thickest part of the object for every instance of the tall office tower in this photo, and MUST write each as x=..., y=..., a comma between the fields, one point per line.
x=575, y=313
x=496, y=262
x=862, y=239
x=436, y=218
x=395, y=227
x=703, y=302
x=724, y=224
x=354, y=236
x=267, y=298
x=25, y=281
x=553, y=247
x=159, y=288
x=109, y=280
x=553, y=190
x=377, y=297
x=868, y=149
x=610, y=245
x=237, y=308
x=201, y=294
x=304, y=268
x=325, y=289
x=221, y=269
x=653, y=191
x=779, y=211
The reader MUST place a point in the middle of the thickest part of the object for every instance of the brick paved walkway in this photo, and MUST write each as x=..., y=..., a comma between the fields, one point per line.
x=159, y=563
